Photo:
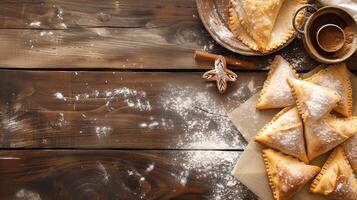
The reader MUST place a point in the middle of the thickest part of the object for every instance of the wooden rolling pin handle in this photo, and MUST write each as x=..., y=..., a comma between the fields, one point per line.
x=201, y=55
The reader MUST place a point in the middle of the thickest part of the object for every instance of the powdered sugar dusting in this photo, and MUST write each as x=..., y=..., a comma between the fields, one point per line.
x=290, y=177
x=350, y=148
x=344, y=189
x=318, y=104
x=291, y=141
x=330, y=81
x=280, y=92
x=317, y=100
x=324, y=133
x=287, y=132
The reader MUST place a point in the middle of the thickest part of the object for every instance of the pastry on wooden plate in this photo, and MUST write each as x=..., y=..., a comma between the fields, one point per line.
x=337, y=78
x=285, y=133
x=286, y=174
x=350, y=148
x=336, y=179
x=264, y=25
x=325, y=134
x=313, y=101
x=276, y=92
x=258, y=18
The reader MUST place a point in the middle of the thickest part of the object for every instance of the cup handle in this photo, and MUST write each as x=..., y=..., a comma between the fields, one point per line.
x=297, y=12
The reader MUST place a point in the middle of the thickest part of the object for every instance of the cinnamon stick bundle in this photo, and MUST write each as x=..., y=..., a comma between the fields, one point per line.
x=205, y=56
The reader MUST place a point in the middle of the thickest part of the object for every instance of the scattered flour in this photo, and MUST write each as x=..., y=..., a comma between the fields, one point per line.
x=60, y=122
x=46, y=33
x=35, y=24
x=133, y=98
x=103, y=131
x=150, y=167
x=58, y=18
x=203, y=120
x=59, y=95
x=103, y=172
x=26, y=194
x=214, y=166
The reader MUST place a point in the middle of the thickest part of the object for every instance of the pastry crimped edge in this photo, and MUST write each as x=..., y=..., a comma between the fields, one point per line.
x=351, y=160
x=233, y=18
x=298, y=103
x=346, y=82
x=270, y=176
x=272, y=69
x=349, y=97
x=324, y=168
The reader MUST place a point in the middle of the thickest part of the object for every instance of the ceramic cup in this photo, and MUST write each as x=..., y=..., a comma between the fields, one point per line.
x=330, y=38
x=328, y=18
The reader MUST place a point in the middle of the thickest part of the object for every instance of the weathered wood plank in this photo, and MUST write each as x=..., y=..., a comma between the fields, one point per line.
x=43, y=14
x=147, y=110
x=159, y=48
x=114, y=34
x=126, y=175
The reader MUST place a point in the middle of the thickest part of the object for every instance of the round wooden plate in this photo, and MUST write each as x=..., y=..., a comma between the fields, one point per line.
x=214, y=15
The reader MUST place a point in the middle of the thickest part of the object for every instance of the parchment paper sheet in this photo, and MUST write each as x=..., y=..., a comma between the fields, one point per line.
x=250, y=169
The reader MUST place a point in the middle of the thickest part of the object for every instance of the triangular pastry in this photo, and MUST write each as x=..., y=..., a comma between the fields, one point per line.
x=336, y=179
x=264, y=25
x=337, y=78
x=325, y=134
x=276, y=92
x=313, y=101
x=285, y=133
x=350, y=148
x=258, y=18
x=286, y=175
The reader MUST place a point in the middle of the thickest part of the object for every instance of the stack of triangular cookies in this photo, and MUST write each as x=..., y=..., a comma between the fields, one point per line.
x=264, y=25
x=306, y=128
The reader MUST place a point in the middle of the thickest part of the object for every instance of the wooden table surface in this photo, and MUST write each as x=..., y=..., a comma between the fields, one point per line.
x=103, y=100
